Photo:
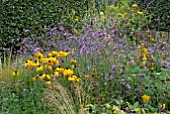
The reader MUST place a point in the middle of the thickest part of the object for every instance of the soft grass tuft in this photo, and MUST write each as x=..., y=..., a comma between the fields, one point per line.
x=60, y=101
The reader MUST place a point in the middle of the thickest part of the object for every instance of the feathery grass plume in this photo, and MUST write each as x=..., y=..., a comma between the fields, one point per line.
x=61, y=101
x=82, y=97
x=0, y=65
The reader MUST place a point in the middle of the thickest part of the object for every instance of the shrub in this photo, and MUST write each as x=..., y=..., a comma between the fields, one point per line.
x=19, y=18
x=159, y=12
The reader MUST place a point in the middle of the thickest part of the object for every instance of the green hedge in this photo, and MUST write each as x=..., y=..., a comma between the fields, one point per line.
x=159, y=13
x=19, y=15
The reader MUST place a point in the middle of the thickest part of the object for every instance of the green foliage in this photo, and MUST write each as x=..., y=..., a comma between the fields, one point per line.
x=118, y=107
x=18, y=95
x=126, y=17
x=18, y=16
x=159, y=13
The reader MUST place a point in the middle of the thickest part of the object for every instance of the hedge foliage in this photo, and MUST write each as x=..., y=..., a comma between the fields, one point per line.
x=19, y=16
x=159, y=12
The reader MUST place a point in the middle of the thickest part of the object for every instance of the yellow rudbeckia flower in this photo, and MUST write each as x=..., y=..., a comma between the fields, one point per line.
x=163, y=106
x=134, y=5
x=139, y=12
x=73, y=61
x=48, y=83
x=15, y=73
x=145, y=98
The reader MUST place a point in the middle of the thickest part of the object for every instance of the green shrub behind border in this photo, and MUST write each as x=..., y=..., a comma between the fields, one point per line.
x=159, y=12
x=19, y=16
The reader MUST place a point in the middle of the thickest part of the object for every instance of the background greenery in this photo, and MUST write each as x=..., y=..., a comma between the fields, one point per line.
x=159, y=12
x=19, y=15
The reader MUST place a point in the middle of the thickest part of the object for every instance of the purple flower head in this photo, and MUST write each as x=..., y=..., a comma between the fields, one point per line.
x=141, y=75
x=37, y=49
x=168, y=65
x=106, y=77
x=114, y=67
x=120, y=55
x=12, y=41
x=111, y=19
x=131, y=62
x=168, y=59
x=2, y=82
x=61, y=28
x=61, y=23
x=111, y=77
x=25, y=40
x=92, y=19
x=128, y=86
x=163, y=62
x=25, y=90
x=26, y=31
x=128, y=24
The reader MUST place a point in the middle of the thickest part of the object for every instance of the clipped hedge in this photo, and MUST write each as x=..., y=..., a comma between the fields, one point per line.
x=19, y=18
x=159, y=13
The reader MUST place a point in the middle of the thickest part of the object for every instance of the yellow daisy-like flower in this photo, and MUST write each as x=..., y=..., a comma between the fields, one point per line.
x=74, y=12
x=152, y=68
x=62, y=54
x=163, y=106
x=15, y=73
x=39, y=55
x=134, y=5
x=68, y=72
x=50, y=61
x=34, y=79
x=144, y=58
x=36, y=63
x=48, y=77
x=49, y=55
x=39, y=68
x=143, y=63
x=145, y=51
x=44, y=75
x=75, y=19
x=55, y=74
x=49, y=67
x=73, y=61
x=74, y=78
x=48, y=83
x=30, y=64
x=41, y=77
x=145, y=98
x=78, y=79
x=139, y=12
x=60, y=70
x=86, y=75
x=53, y=54
x=71, y=78
x=72, y=66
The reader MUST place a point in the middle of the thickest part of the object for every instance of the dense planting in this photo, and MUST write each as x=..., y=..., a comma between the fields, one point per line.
x=96, y=67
